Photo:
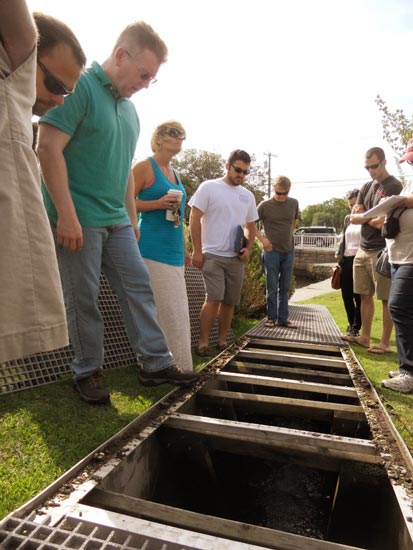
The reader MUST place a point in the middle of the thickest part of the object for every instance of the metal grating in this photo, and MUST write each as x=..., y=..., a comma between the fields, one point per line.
x=315, y=325
x=25, y=534
x=47, y=367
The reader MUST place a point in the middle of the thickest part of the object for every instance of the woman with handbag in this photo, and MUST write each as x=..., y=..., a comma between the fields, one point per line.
x=400, y=250
x=346, y=251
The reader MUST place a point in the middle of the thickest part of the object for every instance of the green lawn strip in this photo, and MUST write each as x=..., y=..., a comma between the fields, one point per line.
x=46, y=430
x=377, y=367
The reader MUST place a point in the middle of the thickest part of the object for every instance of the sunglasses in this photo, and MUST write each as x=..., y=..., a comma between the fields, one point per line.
x=281, y=192
x=240, y=170
x=173, y=133
x=53, y=84
x=372, y=166
x=143, y=74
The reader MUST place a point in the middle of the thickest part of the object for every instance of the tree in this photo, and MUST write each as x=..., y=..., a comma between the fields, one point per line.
x=397, y=127
x=330, y=213
x=196, y=166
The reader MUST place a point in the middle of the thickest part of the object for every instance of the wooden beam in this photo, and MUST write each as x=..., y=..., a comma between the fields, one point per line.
x=299, y=385
x=301, y=347
x=300, y=373
x=356, y=410
x=203, y=523
x=345, y=448
x=333, y=364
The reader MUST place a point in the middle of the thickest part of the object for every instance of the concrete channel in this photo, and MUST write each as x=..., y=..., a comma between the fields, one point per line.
x=282, y=444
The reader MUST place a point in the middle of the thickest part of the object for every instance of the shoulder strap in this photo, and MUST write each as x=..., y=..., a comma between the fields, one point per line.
x=397, y=212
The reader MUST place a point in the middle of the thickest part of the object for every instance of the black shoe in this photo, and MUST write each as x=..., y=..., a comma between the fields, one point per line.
x=92, y=388
x=205, y=351
x=169, y=375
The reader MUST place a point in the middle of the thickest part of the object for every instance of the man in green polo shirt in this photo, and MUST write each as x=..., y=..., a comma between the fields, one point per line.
x=86, y=148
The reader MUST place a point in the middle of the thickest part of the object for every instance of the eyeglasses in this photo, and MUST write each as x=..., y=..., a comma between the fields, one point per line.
x=173, y=133
x=53, y=84
x=372, y=166
x=147, y=77
x=281, y=192
x=240, y=170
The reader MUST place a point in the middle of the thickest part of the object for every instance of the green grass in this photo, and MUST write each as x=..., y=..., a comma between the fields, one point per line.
x=46, y=430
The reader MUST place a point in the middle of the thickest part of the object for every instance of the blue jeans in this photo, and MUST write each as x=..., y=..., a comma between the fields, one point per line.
x=278, y=268
x=114, y=251
x=401, y=311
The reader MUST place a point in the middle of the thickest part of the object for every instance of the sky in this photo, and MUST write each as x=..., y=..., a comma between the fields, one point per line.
x=294, y=78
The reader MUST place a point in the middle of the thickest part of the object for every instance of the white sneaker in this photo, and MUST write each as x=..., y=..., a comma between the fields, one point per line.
x=402, y=383
x=394, y=373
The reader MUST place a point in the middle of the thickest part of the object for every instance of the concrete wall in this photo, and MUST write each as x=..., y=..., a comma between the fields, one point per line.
x=315, y=263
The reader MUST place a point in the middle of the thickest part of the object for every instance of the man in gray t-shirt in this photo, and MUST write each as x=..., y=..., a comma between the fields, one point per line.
x=279, y=216
x=366, y=281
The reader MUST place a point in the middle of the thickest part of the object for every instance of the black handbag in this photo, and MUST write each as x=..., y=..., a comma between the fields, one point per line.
x=383, y=265
x=391, y=227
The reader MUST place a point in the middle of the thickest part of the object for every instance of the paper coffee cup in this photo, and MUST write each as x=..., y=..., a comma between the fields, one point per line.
x=171, y=214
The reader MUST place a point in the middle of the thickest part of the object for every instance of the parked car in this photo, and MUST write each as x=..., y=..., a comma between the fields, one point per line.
x=316, y=235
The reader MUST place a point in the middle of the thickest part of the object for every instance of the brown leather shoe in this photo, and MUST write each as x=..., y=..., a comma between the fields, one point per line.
x=92, y=388
x=169, y=375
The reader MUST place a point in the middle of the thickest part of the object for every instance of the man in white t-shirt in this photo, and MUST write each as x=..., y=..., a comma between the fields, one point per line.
x=218, y=208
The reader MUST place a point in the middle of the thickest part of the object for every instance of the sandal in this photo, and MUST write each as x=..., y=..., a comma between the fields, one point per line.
x=204, y=352
x=221, y=347
x=270, y=323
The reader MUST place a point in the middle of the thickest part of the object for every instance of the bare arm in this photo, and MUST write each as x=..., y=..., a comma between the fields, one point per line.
x=358, y=219
x=196, y=233
x=130, y=205
x=263, y=240
x=17, y=31
x=52, y=143
x=143, y=175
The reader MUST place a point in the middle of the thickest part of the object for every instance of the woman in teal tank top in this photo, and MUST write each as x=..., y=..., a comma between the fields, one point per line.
x=160, y=203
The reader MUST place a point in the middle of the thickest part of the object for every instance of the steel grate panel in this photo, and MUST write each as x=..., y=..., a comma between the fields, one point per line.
x=45, y=368
x=20, y=534
x=315, y=325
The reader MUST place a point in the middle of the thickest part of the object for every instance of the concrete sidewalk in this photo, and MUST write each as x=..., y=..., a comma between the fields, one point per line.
x=312, y=290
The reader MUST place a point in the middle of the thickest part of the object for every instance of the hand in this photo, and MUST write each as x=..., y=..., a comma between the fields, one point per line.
x=137, y=232
x=244, y=254
x=188, y=259
x=69, y=233
x=358, y=209
x=167, y=202
x=197, y=259
x=267, y=245
x=408, y=202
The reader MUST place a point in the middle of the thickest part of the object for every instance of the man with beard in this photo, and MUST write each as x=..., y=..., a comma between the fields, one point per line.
x=32, y=80
x=218, y=209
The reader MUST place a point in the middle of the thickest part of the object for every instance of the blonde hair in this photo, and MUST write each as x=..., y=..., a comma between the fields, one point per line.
x=282, y=182
x=160, y=128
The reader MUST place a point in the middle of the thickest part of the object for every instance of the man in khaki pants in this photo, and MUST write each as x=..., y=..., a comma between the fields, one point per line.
x=32, y=80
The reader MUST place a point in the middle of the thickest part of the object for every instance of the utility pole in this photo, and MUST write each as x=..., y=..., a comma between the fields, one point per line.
x=269, y=155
